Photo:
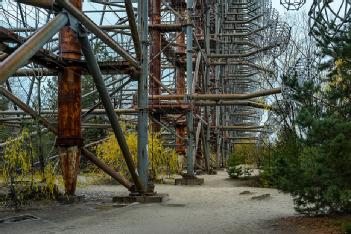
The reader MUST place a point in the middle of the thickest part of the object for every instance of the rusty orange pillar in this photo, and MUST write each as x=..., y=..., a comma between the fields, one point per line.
x=69, y=108
x=155, y=58
x=180, y=82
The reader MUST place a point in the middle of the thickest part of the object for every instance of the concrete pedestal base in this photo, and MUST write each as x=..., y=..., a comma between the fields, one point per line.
x=156, y=198
x=186, y=180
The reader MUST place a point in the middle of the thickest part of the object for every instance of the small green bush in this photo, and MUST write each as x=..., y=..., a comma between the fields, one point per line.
x=243, y=154
x=234, y=172
x=317, y=175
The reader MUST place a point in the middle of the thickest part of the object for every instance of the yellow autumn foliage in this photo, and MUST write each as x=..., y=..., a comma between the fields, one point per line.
x=162, y=160
x=17, y=159
x=20, y=176
x=246, y=153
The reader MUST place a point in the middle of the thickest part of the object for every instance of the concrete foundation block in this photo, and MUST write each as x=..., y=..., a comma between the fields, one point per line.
x=189, y=181
x=156, y=198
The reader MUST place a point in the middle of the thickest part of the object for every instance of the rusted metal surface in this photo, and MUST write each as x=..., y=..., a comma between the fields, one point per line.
x=69, y=108
x=70, y=161
x=155, y=58
x=166, y=27
x=93, y=28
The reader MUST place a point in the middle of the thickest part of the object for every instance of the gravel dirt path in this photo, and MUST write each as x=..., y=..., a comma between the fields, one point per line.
x=219, y=206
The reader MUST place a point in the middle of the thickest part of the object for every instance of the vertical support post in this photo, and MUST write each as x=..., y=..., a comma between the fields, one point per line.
x=155, y=56
x=217, y=82
x=224, y=115
x=205, y=148
x=207, y=31
x=207, y=128
x=225, y=152
x=69, y=108
x=218, y=151
x=143, y=162
x=180, y=82
x=189, y=74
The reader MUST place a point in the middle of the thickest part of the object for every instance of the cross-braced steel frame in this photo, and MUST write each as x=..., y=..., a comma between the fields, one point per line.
x=189, y=71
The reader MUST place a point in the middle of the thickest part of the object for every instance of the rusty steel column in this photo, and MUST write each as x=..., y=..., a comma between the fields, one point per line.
x=69, y=108
x=180, y=83
x=155, y=59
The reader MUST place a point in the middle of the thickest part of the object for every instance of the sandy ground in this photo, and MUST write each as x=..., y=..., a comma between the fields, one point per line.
x=215, y=207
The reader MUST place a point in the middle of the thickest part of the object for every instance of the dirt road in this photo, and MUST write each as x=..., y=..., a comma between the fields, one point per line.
x=216, y=207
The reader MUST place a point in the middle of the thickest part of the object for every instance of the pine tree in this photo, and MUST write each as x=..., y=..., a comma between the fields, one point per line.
x=316, y=170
